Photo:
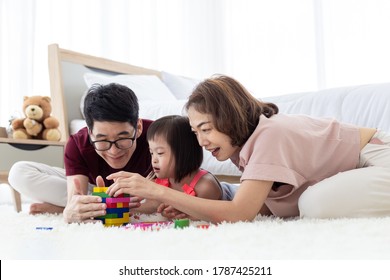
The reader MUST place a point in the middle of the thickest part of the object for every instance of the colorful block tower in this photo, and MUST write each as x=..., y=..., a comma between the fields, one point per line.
x=117, y=211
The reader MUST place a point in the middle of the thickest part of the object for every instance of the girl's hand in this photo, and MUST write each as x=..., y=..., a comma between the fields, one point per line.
x=169, y=212
x=131, y=183
x=135, y=201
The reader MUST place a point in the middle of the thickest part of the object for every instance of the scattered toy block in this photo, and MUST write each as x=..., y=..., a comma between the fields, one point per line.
x=182, y=223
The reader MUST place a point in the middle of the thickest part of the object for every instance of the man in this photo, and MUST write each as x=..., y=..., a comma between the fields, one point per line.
x=114, y=140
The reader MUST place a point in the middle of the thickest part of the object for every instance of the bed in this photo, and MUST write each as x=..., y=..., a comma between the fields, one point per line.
x=160, y=93
x=70, y=72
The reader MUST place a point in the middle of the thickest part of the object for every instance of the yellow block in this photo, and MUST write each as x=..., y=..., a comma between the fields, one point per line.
x=116, y=221
x=100, y=189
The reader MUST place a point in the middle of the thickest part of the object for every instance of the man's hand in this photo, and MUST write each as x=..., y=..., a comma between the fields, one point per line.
x=82, y=207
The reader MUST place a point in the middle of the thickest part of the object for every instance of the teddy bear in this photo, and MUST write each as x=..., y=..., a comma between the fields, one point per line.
x=38, y=122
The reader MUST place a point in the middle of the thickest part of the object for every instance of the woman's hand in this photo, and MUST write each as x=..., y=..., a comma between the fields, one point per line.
x=82, y=207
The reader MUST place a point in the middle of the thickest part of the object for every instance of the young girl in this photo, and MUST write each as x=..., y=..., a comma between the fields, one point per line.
x=176, y=159
x=291, y=164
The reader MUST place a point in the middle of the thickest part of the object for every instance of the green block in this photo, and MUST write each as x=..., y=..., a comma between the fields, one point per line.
x=182, y=223
x=101, y=194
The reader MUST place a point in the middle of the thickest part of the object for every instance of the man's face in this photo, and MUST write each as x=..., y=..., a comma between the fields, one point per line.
x=124, y=135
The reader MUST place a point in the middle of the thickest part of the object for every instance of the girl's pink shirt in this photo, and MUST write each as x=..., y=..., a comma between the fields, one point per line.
x=295, y=152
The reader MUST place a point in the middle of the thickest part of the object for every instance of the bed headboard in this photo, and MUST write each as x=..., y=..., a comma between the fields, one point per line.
x=67, y=86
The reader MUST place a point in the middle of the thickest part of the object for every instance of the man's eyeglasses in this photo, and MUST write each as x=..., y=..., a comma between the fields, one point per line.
x=121, y=143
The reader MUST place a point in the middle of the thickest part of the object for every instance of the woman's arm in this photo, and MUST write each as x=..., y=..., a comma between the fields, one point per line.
x=246, y=204
x=207, y=187
x=147, y=207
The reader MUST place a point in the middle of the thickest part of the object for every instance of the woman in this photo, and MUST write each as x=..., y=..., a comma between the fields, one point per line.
x=291, y=164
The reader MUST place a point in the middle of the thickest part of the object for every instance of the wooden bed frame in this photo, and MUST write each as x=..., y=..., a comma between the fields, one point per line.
x=67, y=86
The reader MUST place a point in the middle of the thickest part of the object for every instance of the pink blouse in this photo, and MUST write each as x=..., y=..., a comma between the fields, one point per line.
x=295, y=152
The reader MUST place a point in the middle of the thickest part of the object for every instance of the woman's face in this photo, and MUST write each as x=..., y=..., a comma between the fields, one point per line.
x=116, y=157
x=214, y=141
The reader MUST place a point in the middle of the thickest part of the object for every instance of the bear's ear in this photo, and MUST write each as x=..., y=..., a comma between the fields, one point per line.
x=47, y=98
x=25, y=97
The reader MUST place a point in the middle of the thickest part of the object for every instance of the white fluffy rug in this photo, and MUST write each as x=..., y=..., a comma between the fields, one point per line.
x=265, y=238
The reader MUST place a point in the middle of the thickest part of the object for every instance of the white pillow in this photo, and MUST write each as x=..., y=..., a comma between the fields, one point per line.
x=145, y=87
x=153, y=110
x=180, y=86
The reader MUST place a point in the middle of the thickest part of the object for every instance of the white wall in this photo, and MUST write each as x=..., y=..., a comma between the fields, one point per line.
x=272, y=47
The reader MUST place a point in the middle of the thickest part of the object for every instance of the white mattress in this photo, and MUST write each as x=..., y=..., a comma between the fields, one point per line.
x=365, y=105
